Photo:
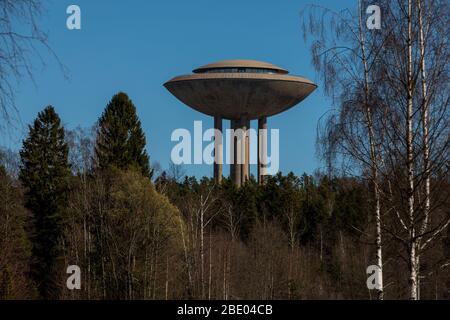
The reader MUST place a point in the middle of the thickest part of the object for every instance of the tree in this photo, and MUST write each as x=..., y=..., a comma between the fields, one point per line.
x=44, y=173
x=391, y=121
x=344, y=58
x=121, y=141
x=21, y=39
x=415, y=102
x=123, y=233
x=14, y=245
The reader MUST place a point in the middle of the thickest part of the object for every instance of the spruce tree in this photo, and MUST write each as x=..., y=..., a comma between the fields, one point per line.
x=120, y=139
x=45, y=173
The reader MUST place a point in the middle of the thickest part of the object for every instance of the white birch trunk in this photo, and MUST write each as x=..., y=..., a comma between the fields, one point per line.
x=410, y=163
x=373, y=160
x=425, y=133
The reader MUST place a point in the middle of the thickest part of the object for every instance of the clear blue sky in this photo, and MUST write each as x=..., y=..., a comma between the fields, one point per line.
x=136, y=45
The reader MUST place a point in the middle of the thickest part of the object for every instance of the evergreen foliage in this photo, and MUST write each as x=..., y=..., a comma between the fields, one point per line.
x=121, y=140
x=44, y=173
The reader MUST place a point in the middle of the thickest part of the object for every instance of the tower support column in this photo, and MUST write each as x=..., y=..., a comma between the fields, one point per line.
x=245, y=150
x=262, y=149
x=218, y=149
x=236, y=167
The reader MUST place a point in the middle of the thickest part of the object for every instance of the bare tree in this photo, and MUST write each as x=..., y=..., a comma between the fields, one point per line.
x=21, y=41
x=416, y=126
x=344, y=58
x=176, y=172
x=392, y=117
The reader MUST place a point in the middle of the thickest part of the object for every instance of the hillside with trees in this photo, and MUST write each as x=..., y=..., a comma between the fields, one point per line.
x=177, y=237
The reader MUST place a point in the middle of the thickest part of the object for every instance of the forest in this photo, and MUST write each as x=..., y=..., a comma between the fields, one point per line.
x=91, y=197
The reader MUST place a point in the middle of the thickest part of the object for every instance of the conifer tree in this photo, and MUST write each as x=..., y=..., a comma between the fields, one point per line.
x=44, y=173
x=121, y=141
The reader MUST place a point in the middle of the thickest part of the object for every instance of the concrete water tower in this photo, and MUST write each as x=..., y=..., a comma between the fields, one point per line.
x=240, y=91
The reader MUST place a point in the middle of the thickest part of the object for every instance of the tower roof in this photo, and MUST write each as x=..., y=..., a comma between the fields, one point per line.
x=251, y=64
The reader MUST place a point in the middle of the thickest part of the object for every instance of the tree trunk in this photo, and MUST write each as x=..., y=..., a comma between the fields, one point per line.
x=410, y=161
x=425, y=133
x=373, y=159
x=210, y=268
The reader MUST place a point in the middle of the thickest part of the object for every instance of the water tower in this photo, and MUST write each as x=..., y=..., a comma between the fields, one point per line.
x=240, y=91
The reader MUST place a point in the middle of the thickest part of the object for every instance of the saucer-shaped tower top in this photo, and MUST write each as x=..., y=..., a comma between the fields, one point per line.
x=233, y=89
x=233, y=66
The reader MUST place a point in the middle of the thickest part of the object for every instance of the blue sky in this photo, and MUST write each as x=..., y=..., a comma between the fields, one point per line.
x=135, y=46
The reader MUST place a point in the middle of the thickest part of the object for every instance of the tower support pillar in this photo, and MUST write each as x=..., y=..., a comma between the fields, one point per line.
x=262, y=149
x=245, y=150
x=236, y=167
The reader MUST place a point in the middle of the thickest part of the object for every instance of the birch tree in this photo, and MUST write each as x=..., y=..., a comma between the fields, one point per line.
x=344, y=58
x=415, y=126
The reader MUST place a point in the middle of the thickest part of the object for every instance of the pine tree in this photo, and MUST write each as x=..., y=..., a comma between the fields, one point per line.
x=121, y=141
x=45, y=173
